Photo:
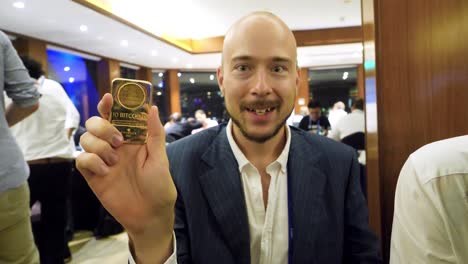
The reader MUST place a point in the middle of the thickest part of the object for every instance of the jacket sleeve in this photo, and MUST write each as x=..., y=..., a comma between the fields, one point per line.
x=360, y=243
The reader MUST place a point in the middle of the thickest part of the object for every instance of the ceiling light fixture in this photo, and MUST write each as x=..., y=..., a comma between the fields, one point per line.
x=161, y=74
x=179, y=74
x=66, y=68
x=345, y=75
x=71, y=80
x=192, y=80
x=18, y=4
x=211, y=77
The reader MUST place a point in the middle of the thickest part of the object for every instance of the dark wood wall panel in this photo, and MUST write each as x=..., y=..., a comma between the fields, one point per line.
x=421, y=84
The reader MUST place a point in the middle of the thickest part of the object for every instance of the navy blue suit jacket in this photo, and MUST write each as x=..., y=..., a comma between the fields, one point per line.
x=329, y=211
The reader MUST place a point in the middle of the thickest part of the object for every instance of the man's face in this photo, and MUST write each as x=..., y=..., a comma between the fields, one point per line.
x=259, y=78
x=200, y=117
x=315, y=113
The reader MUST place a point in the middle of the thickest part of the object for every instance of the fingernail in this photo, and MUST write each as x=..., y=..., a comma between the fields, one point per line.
x=117, y=140
x=113, y=158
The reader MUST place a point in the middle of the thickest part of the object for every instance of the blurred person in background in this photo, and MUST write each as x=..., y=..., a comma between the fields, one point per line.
x=16, y=238
x=337, y=112
x=179, y=128
x=46, y=141
x=201, y=117
x=315, y=122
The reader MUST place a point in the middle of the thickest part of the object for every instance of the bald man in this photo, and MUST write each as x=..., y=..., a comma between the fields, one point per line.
x=251, y=191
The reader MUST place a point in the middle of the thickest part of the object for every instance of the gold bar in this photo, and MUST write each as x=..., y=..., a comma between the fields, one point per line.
x=129, y=114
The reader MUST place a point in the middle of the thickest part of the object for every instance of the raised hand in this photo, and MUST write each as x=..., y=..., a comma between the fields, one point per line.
x=132, y=182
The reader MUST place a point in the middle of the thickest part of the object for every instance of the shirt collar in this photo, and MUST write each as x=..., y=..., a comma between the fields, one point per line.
x=243, y=161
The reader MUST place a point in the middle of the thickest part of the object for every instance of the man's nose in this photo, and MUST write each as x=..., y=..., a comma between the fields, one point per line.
x=262, y=85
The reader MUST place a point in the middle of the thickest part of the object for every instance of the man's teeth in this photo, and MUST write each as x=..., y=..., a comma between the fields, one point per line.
x=261, y=111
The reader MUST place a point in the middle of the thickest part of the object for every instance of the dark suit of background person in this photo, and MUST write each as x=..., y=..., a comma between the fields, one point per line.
x=179, y=129
x=329, y=211
x=16, y=239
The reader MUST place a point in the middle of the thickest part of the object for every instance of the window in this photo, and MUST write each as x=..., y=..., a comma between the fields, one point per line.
x=200, y=90
x=78, y=76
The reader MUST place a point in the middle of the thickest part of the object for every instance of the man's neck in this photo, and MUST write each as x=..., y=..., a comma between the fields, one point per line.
x=260, y=154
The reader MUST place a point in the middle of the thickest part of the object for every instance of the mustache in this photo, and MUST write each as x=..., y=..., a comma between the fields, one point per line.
x=260, y=104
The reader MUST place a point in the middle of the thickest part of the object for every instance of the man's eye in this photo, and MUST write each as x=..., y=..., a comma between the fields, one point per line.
x=278, y=69
x=242, y=68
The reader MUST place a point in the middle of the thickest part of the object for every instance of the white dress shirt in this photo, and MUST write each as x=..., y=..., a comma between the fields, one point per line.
x=43, y=134
x=268, y=228
x=347, y=125
x=430, y=223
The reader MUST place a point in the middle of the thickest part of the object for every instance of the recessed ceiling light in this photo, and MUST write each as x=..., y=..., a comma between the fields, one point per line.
x=66, y=68
x=192, y=80
x=160, y=85
x=212, y=77
x=160, y=74
x=124, y=43
x=154, y=53
x=345, y=75
x=159, y=93
x=179, y=74
x=71, y=80
x=83, y=28
x=18, y=4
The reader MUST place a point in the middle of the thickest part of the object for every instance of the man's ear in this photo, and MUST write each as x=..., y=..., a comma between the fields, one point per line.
x=220, y=77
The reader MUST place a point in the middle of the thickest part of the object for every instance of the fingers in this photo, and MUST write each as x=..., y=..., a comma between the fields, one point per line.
x=156, y=142
x=105, y=106
x=90, y=164
x=103, y=149
x=102, y=129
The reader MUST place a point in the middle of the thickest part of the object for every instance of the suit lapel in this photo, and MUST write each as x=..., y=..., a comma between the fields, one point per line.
x=307, y=181
x=222, y=187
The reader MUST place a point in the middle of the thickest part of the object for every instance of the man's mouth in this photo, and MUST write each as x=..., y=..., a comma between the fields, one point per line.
x=260, y=111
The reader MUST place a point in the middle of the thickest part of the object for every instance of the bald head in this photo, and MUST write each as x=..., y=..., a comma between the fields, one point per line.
x=259, y=28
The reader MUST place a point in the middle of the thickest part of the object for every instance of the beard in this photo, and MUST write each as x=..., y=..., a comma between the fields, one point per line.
x=259, y=138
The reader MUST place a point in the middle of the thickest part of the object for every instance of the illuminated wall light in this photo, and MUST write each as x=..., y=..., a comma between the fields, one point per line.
x=83, y=28
x=192, y=80
x=179, y=74
x=211, y=77
x=19, y=5
x=71, y=80
x=66, y=69
x=161, y=74
x=124, y=43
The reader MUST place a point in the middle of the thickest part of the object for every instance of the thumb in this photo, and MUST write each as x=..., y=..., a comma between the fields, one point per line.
x=156, y=141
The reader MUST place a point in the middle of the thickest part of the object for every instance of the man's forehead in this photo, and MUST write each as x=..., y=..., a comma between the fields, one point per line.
x=256, y=33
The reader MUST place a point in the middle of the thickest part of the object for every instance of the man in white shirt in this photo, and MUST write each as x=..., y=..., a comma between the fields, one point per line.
x=45, y=138
x=350, y=125
x=201, y=117
x=254, y=191
x=430, y=222
x=337, y=112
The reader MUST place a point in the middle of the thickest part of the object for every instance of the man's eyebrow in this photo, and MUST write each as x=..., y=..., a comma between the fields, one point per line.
x=249, y=58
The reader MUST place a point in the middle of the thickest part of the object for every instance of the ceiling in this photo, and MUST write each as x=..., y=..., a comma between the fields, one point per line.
x=59, y=21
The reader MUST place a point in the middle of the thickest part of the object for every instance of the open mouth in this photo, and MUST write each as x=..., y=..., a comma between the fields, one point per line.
x=260, y=111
